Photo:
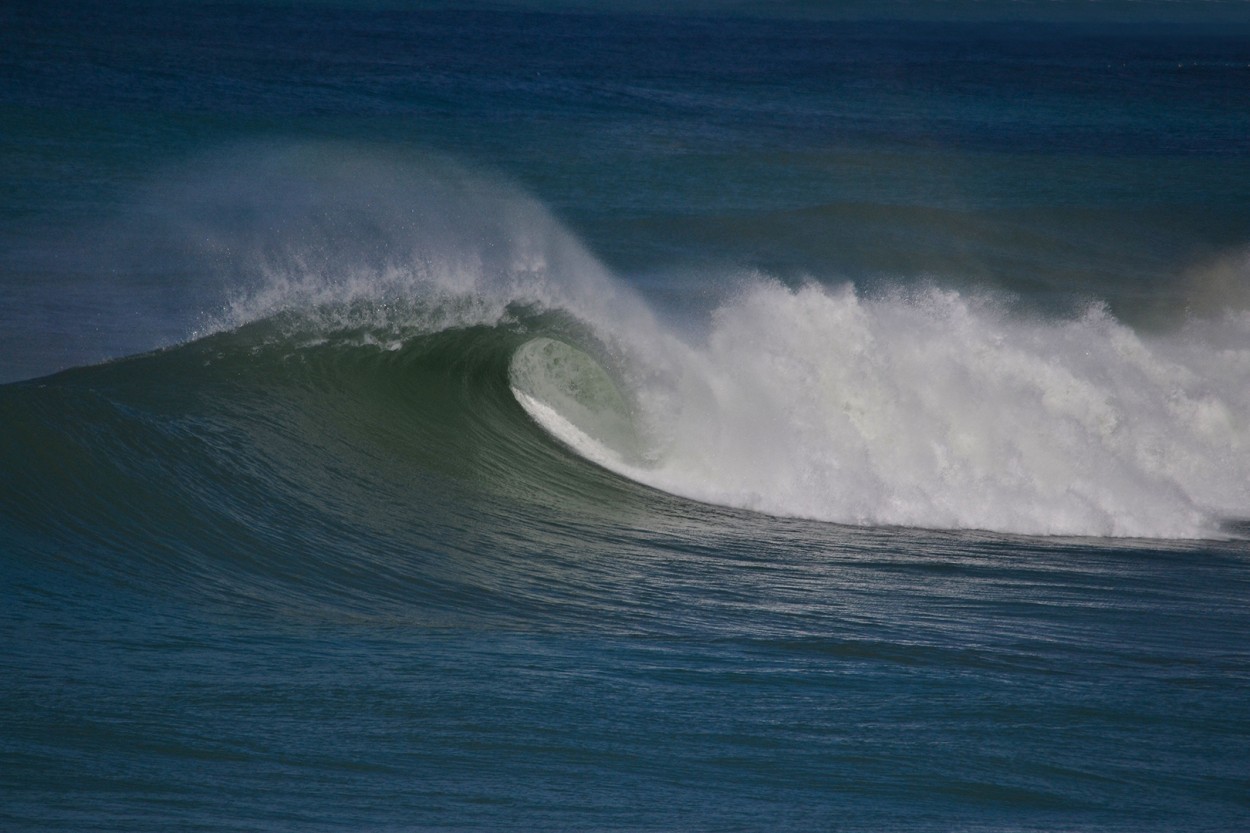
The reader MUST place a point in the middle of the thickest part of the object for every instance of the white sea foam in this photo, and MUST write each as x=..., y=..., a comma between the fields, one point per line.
x=935, y=409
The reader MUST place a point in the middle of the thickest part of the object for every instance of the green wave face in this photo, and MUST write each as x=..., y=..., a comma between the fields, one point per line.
x=343, y=471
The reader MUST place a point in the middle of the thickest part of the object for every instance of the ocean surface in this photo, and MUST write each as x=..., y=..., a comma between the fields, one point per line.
x=682, y=416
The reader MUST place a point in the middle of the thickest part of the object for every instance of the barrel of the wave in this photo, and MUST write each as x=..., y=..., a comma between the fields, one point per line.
x=577, y=401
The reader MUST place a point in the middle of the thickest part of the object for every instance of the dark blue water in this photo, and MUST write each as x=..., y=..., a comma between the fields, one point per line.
x=559, y=418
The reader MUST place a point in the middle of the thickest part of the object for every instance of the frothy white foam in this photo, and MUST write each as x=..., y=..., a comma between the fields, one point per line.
x=938, y=410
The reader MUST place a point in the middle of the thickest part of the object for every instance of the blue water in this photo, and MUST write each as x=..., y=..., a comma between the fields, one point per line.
x=683, y=417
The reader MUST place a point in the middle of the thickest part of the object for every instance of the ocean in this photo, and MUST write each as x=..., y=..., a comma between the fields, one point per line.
x=691, y=416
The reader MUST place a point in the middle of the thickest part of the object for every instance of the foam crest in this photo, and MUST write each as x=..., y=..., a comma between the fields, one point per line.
x=934, y=409
x=353, y=236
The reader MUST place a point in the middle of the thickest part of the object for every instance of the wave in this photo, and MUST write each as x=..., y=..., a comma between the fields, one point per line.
x=436, y=330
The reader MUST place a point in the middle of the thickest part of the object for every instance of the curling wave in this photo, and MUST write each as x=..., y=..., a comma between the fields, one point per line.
x=427, y=326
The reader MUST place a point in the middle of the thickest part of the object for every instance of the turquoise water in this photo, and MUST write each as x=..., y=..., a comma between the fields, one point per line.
x=553, y=418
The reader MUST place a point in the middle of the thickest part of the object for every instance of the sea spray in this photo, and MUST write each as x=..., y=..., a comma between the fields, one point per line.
x=345, y=235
